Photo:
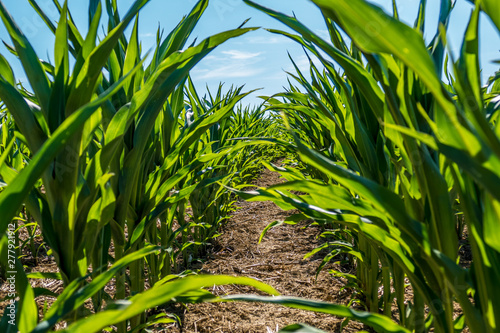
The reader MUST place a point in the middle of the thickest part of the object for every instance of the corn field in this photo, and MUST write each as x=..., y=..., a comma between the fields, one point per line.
x=129, y=172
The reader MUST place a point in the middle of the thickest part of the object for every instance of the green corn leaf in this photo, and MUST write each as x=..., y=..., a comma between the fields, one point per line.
x=468, y=84
x=437, y=43
x=114, y=67
x=492, y=9
x=179, y=35
x=159, y=295
x=384, y=34
x=73, y=297
x=158, y=319
x=23, y=114
x=460, y=281
x=74, y=35
x=42, y=15
x=61, y=72
x=491, y=225
x=61, y=43
x=103, y=208
x=132, y=54
x=485, y=177
x=42, y=275
x=84, y=80
x=160, y=196
x=13, y=196
x=4, y=156
x=6, y=71
x=31, y=63
x=420, y=21
x=94, y=6
x=300, y=328
x=90, y=39
x=383, y=199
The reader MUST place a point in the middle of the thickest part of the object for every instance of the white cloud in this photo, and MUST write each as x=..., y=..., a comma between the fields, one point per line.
x=276, y=76
x=229, y=64
x=210, y=57
x=147, y=35
x=229, y=71
x=270, y=39
x=241, y=55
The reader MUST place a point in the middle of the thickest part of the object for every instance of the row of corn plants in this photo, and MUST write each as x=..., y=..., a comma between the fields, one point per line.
x=108, y=156
x=103, y=154
x=212, y=205
x=396, y=162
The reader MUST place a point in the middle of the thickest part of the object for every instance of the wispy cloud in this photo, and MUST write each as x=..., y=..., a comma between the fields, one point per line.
x=229, y=64
x=270, y=39
x=241, y=55
x=276, y=76
x=230, y=71
x=147, y=35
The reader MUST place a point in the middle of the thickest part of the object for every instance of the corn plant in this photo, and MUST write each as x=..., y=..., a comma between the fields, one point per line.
x=92, y=141
x=438, y=142
x=211, y=205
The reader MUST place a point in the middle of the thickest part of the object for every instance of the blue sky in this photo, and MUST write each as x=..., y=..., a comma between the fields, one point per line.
x=258, y=59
